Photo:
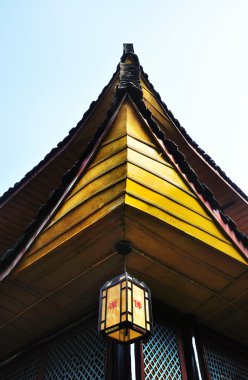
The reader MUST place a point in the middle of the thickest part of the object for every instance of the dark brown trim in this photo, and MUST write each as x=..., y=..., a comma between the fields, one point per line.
x=42, y=364
x=181, y=355
x=139, y=362
x=209, y=335
x=67, y=330
x=205, y=362
x=189, y=356
x=119, y=361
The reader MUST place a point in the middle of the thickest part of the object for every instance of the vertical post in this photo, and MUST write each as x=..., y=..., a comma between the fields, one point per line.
x=124, y=362
x=139, y=361
x=42, y=364
x=192, y=350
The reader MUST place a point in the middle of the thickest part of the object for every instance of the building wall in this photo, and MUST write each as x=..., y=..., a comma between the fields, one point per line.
x=80, y=355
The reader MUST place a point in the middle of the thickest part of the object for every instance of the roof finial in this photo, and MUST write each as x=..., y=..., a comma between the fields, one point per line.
x=128, y=48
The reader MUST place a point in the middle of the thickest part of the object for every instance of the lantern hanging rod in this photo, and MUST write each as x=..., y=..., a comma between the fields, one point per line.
x=123, y=248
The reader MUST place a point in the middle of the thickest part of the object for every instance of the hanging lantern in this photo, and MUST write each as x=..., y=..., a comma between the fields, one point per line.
x=125, y=310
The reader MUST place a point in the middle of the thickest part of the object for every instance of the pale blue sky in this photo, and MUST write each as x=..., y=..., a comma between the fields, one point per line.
x=57, y=55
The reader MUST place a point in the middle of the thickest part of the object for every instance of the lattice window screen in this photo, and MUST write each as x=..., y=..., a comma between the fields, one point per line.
x=26, y=369
x=80, y=357
x=223, y=365
x=161, y=355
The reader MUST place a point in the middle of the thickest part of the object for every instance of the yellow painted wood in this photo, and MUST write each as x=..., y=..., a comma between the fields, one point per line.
x=166, y=188
x=171, y=237
x=165, y=171
x=187, y=219
x=47, y=244
x=80, y=213
x=148, y=95
x=157, y=111
x=109, y=149
x=153, y=152
x=135, y=127
x=130, y=162
x=206, y=237
x=95, y=188
x=172, y=252
x=98, y=192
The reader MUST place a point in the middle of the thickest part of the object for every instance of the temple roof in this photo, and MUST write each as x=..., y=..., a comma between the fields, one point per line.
x=127, y=171
x=130, y=72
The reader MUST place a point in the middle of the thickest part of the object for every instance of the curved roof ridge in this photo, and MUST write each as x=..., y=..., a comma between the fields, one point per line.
x=239, y=238
x=56, y=150
x=176, y=122
x=10, y=258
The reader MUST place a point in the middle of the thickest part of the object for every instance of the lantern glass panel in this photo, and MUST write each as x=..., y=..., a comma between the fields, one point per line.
x=129, y=301
x=103, y=308
x=138, y=306
x=147, y=311
x=113, y=306
x=123, y=300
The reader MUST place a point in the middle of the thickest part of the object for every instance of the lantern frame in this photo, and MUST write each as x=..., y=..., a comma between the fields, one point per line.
x=128, y=327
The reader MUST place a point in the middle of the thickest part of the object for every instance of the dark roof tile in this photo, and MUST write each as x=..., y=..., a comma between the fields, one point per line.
x=210, y=161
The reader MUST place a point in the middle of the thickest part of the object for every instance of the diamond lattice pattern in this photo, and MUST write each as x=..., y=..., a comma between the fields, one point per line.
x=80, y=357
x=223, y=365
x=161, y=355
x=26, y=369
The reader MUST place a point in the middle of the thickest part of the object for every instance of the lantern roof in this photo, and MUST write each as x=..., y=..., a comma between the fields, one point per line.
x=127, y=171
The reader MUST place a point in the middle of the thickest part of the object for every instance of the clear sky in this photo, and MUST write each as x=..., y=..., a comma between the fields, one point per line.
x=57, y=55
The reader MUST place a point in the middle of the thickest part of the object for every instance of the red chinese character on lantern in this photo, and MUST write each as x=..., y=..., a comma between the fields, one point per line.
x=112, y=305
x=137, y=304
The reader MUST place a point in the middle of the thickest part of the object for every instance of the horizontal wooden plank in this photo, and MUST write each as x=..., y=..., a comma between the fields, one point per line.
x=83, y=291
x=146, y=150
x=167, y=279
x=54, y=240
x=162, y=170
x=81, y=260
x=166, y=189
x=103, y=167
x=194, y=247
x=175, y=257
x=177, y=210
x=95, y=188
x=108, y=150
x=191, y=230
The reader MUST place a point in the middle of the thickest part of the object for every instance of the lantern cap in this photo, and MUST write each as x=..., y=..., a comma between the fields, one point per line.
x=123, y=247
x=125, y=277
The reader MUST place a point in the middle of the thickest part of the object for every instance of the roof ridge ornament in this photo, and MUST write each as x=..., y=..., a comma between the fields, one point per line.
x=128, y=48
x=129, y=67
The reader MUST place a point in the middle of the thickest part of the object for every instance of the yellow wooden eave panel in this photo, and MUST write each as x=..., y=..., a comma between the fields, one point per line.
x=150, y=97
x=222, y=246
x=165, y=188
x=204, y=226
x=53, y=241
x=96, y=187
x=156, y=109
x=130, y=162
